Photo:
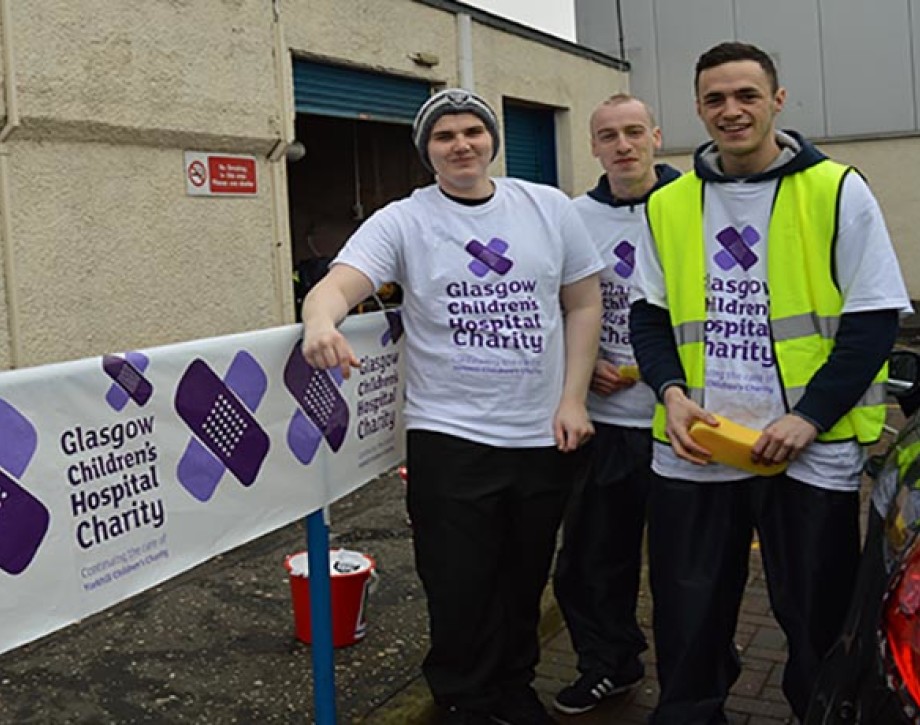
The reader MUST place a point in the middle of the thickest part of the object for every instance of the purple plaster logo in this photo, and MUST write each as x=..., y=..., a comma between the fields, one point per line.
x=626, y=254
x=737, y=248
x=129, y=383
x=394, y=329
x=322, y=412
x=489, y=257
x=219, y=412
x=23, y=518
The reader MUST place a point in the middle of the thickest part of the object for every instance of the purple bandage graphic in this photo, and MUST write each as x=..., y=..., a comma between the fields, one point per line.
x=246, y=378
x=394, y=329
x=488, y=257
x=303, y=438
x=24, y=519
x=23, y=524
x=19, y=440
x=220, y=421
x=199, y=470
x=317, y=394
x=737, y=248
x=129, y=381
x=626, y=253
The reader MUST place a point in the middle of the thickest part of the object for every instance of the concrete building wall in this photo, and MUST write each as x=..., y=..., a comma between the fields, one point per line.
x=100, y=245
x=374, y=34
x=382, y=35
x=123, y=259
x=108, y=251
x=510, y=67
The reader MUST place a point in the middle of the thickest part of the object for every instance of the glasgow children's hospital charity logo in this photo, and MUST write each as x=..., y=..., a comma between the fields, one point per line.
x=626, y=254
x=128, y=381
x=23, y=518
x=737, y=248
x=489, y=257
x=322, y=411
x=220, y=414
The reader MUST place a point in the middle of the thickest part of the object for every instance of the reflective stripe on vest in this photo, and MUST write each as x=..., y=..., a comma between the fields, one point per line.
x=809, y=323
x=805, y=303
x=875, y=395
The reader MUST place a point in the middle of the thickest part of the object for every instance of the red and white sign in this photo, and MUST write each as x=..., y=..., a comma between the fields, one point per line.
x=220, y=174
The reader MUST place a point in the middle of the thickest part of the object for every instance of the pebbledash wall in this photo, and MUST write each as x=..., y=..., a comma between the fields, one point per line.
x=101, y=247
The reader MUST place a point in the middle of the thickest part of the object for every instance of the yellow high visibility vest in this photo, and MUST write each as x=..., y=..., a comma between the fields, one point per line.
x=805, y=303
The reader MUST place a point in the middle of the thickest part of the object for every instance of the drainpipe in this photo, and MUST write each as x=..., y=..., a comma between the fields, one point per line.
x=465, y=51
x=281, y=255
x=11, y=123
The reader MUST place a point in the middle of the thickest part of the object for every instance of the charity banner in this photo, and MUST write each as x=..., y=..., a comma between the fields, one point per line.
x=121, y=471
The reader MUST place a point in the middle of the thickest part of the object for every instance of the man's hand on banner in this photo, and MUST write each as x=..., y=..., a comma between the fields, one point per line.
x=327, y=348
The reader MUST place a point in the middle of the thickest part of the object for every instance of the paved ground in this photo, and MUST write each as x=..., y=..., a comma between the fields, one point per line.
x=755, y=700
x=216, y=645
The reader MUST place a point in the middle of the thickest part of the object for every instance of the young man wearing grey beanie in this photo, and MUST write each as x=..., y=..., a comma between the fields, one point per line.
x=502, y=311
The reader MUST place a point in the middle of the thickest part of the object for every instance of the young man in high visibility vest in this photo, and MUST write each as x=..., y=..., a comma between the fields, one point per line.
x=598, y=569
x=771, y=296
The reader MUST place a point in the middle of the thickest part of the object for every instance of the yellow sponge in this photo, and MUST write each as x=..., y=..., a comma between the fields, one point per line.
x=629, y=371
x=730, y=443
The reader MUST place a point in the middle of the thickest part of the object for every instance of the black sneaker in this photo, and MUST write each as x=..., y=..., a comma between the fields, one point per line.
x=588, y=691
x=521, y=707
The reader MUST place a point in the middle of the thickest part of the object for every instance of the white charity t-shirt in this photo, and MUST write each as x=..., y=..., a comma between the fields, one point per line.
x=617, y=231
x=484, y=326
x=742, y=382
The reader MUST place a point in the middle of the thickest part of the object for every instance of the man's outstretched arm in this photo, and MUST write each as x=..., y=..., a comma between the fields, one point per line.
x=324, y=308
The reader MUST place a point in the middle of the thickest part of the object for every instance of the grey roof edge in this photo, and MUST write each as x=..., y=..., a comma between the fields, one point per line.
x=523, y=31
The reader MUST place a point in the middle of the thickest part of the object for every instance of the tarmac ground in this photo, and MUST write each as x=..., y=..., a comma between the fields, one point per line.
x=216, y=644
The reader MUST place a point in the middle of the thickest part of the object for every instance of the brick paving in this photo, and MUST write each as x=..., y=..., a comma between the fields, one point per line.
x=756, y=698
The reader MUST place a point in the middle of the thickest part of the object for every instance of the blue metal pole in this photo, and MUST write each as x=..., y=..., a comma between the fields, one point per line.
x=321, y=619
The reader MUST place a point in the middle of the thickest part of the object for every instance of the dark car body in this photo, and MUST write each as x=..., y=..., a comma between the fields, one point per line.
x=872, y=674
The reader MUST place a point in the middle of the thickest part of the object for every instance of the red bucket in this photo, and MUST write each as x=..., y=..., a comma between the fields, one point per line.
x=351, y=576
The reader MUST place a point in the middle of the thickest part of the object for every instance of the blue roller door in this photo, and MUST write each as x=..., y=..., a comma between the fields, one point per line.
x=329, y=90
x=530, y=143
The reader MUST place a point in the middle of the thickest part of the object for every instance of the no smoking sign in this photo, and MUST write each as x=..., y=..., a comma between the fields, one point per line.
x=220, y=174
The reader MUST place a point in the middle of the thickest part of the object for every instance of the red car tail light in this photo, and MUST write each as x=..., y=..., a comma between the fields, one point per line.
x=900, y=636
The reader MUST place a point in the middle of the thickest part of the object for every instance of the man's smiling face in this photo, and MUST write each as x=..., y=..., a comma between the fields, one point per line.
x=738, y=106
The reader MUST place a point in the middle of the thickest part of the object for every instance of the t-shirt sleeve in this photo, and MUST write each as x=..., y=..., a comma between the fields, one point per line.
x=375, y=248
x=867, y=267
x=648, y=279
x=581, y=258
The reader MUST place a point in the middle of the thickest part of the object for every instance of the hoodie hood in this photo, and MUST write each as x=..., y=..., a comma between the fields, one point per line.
x=665, y=173
x=797, y=155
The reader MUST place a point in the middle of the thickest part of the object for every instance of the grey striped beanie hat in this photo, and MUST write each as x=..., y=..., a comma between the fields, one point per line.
x=451, y=100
